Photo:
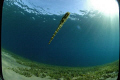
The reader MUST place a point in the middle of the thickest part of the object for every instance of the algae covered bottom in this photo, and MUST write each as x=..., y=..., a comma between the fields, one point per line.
x=28, y=69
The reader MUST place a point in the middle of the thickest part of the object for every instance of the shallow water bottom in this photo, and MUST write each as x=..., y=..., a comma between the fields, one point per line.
x=15, y=67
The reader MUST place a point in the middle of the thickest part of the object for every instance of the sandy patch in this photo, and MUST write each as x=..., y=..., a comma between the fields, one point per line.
x=9, y=62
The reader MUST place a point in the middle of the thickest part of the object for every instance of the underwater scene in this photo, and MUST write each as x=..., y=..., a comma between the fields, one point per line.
x=60, y=40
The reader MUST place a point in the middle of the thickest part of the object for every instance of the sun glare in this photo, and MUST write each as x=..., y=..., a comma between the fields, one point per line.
x=108, y=7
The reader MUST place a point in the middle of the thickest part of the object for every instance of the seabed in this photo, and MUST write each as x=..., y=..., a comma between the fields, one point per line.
x=15, y=67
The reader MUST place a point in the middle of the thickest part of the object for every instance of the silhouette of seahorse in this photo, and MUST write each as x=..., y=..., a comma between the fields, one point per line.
x=63, y=20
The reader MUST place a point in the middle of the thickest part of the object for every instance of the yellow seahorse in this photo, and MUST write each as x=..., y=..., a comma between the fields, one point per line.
x=63, y=20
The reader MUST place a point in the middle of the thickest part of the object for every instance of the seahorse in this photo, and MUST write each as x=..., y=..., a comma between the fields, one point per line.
x=63, y=20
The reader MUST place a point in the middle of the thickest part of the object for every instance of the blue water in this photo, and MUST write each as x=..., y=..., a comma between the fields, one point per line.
x=83, y=42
